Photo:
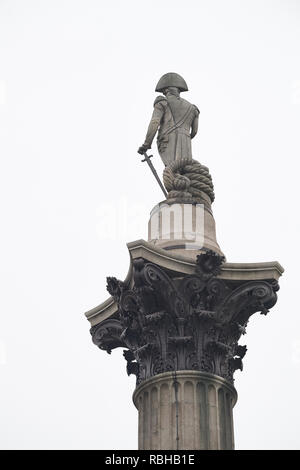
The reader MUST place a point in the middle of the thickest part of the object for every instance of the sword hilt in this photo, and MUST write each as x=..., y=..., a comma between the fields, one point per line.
x=146, y=157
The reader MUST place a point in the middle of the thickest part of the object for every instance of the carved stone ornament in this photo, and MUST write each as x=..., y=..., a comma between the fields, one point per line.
x=169, y=322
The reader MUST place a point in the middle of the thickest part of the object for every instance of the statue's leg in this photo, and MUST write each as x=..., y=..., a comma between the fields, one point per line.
x=188, y=143
x=168, y=151
x=183, y=147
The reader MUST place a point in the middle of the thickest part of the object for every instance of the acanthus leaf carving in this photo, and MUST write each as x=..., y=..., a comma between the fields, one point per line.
x=168, y=322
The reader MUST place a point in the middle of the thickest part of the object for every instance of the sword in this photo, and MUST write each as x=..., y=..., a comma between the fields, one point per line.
x=147, y=159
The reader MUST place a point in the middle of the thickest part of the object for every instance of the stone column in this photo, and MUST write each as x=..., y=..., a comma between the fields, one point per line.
x=175, y=316
x=188, y=410
x=180, y=315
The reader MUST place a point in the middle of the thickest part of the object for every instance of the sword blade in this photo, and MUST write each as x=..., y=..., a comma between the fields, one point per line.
x=147, y=159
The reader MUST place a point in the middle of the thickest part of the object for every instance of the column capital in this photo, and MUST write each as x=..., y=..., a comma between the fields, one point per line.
x=167, y=320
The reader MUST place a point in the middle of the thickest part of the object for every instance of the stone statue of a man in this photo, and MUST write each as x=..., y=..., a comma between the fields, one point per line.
x=175, y=119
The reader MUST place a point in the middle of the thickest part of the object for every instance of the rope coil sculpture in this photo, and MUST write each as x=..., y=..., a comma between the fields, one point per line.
x=188, y=179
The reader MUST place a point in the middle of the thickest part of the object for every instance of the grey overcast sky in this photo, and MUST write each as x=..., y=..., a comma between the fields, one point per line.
x=77, y=83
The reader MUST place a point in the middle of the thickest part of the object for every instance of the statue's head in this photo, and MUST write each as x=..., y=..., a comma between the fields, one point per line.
x=171, y=80
x=171, y=90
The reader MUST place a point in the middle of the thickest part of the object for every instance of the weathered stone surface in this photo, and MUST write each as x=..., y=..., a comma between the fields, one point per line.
x=187, y=410
x=183, y=228
x=175, y=321
x=181, y=311
x=188, y=179
x=175, y=119
x=171, y=79
x=182, y=264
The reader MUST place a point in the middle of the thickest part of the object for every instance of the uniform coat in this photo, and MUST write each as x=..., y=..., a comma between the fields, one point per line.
x=177, y=122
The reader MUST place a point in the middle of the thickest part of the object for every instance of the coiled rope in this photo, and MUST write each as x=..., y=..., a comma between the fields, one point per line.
x=188, y=178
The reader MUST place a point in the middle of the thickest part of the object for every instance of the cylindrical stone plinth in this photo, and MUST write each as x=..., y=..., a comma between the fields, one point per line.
x=183, y=227
x=190, y=410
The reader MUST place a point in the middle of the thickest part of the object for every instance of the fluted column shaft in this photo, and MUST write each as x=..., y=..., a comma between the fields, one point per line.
x=188, y=410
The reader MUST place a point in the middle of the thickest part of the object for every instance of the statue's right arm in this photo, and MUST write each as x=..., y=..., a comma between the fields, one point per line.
x=156, y=118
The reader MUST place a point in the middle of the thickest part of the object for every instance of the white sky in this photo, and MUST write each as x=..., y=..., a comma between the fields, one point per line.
x=77, y=83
